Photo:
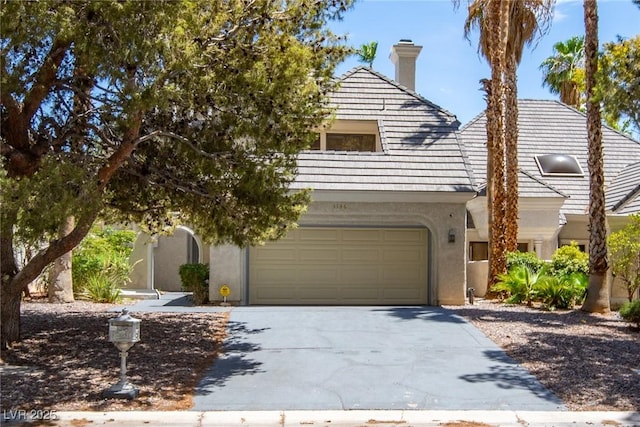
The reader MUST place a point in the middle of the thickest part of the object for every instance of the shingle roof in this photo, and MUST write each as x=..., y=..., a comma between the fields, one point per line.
x=623, y=195
x=422, y=151
x=550, y=127
x=529, y=186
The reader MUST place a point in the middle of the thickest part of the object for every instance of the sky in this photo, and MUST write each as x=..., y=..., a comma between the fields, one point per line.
x=449, y=68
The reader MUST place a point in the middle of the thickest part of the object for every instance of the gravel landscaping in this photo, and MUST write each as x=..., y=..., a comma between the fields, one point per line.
x=65, y=359
x=592, y=362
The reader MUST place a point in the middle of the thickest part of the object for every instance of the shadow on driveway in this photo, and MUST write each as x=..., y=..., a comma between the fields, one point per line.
x=508, y=375
x=347, y=358
x=235, y=358
x=429, y=314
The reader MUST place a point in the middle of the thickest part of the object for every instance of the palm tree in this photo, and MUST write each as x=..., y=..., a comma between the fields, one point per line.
x=518, y=22
x=564, y=71
x=598, y=292
x=526, y=18
x=486, y=16
x=367, y=53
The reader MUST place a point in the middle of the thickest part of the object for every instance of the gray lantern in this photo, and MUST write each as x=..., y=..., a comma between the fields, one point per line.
x=124, y=332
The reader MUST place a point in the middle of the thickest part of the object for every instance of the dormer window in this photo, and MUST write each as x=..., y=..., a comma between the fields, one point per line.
x=559, y=165
x=349, y=135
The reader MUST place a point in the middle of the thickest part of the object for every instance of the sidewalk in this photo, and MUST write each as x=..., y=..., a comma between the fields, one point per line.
x=345, y=419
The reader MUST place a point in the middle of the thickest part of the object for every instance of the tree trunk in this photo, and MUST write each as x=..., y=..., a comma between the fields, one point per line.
x=511, y=131
x=13, y=283
x=597, y=294
x=498, y=19
x=10, y=316
x=60, y=275
x=597, y=300
x=490, y=125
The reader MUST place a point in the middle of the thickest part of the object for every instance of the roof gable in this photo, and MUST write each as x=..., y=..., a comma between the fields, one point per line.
x=422, y=151
x=551, y=127
x=623, y=195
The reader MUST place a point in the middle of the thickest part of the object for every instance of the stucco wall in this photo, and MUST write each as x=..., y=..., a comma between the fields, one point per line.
x=447, y=273
x=169, y=254
x=142, y=262
x=157, y=259
x=477, y=272
x=227, y=267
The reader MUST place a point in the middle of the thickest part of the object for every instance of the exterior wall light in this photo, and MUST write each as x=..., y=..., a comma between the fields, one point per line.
x=452, y=235
x=124, y=332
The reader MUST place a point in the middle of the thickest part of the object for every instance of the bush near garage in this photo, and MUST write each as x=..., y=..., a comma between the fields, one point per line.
x=560, y=284
x=568, y=260
x=195, y=278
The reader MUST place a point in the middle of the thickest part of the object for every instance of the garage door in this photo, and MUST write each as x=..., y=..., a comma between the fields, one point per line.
x=341, y=266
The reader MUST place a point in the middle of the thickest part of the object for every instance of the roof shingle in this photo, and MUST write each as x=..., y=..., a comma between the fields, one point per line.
x=551, y=127
x=421, y=148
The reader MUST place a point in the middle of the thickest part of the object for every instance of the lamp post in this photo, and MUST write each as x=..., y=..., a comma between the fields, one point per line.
x=124, y=332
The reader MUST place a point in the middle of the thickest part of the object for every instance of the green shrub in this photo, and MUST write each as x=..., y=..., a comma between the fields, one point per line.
x=101, y=288
x=624, y=247
x=519, y=284
x=630, y=312
x=562, y=292
x=526, y=259
x=104, y=251
x=195, y=278
x=568, y=260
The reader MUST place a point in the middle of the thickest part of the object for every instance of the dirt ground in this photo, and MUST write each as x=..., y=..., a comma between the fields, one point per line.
x=65, y=360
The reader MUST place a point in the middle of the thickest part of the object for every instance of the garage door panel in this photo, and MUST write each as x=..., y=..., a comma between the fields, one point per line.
x=274, y=293
x=314, y=276
x=272, y=275
x=318, y=255
x=341, y=266
x=275, y=254
x=360, y=235
x=404, y=256
x=402, y=275
x=355, y=294
x=316, y=234
x=316, y=293
x=370, y=256
x=401, y=295
x=405, y=236
x=366, y=276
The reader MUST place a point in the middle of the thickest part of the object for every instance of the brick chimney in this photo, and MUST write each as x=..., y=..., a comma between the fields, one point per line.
x=404, y=55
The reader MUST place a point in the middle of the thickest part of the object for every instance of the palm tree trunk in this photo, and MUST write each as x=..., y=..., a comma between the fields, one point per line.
x=598, y=292
x=490, y=126
x=498, y=18
x=511, y=132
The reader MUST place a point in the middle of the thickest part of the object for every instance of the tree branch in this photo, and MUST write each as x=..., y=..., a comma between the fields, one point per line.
x=45, y=78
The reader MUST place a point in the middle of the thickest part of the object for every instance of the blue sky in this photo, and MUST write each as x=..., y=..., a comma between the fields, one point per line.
x=449, y=67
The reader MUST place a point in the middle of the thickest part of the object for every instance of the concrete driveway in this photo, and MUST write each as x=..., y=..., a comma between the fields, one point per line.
x=336, y=358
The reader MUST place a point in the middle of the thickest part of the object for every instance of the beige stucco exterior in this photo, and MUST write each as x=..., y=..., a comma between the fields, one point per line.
x=156, y=260
x=536, y=229
x=447, y=275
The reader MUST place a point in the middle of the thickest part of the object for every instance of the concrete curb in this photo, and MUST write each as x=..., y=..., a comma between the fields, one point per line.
x=354, y=418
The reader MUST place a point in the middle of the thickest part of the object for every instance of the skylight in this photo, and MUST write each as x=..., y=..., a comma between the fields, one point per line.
x=559, y=165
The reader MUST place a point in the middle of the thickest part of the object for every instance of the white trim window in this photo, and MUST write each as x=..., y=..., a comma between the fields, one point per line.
x=349, y=135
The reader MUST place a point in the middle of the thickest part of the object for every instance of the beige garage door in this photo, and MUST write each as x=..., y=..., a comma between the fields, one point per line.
x=341, y=266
